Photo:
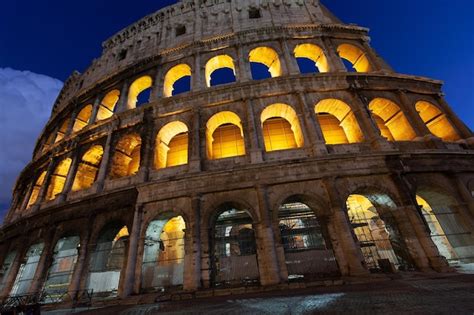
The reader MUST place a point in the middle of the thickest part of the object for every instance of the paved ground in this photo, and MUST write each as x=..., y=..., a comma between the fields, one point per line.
x=436, y=294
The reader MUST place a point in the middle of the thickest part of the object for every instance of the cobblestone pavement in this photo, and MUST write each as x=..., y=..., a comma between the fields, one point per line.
x=420, y=295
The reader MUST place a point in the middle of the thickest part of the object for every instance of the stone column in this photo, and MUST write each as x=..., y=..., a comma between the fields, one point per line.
x=26, y=198
x=70, y=127
x=346, y=250
x=252, y=131
x=292, y=67
x=415, y=232
x=104, y=163
x=314, y=132
x=195, y=142
x=268, y=263
x=19, y=259
x=44, y=189
x=76, y=159
x=244, y=71
x=158, y=85
x=43, y=265
x=206, y=266
x=147, y=149
x=198, y=74
x=412, y=115
x=192, y=256
x=335, y=62
x=374, y=59
x=466, y=195
x=80, y=270
x=95, y=110
x=463, y=131
x=128, y=279
x=367, y=124
x=122, y=103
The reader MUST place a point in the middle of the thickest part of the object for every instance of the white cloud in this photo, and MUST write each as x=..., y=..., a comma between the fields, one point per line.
x=26, y=99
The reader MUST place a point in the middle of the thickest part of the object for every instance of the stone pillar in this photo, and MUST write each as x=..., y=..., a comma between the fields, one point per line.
x=80, y=270
x=335, y=62
x=252, y=131
x=463, y=131
x=244, y=71
x=346, y=250
x=43, y=265
x=158, y=86
x=192, y=256
x=194, y=155
x=19, y=259
x=128, y=279
x=27, y=196
x=374, y=59
x=292, y=67
x=412, y=115
x=95, y=110
x=314, y=132
x=465, y=195
x=206, y=266
x=197, y=82
x=147, y=149
x=104, y=163
x=122, y=103
x=76, y=159
x=47, y=178
x=70, y=127
x=268, y=263
x=367, y=124
x=415, y=232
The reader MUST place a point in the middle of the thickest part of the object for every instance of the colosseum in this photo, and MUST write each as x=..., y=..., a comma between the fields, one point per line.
x=238, y=144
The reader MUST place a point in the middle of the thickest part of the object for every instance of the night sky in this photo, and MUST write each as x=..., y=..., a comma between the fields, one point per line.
x=43, y=42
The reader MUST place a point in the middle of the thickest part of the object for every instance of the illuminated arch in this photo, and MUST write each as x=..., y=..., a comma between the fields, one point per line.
x=107, y=105
x=88, y=168
x=436, y=121
x=338, y=123
x=224, y=136
x=62, y=131
x=83, y=118
x=36, y=189
x=355, y=56
x=216, y=63
x=138, y=86
x=58, y=179
x=281, y=128
x=268, y=57
x=173, y=75
x=126, y=159
x=172, y=145
x=313, y=53
x=391, y=121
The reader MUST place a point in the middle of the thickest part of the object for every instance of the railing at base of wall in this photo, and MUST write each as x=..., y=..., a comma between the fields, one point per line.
x=32, y=303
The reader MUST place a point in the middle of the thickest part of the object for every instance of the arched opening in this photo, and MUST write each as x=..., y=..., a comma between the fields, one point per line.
x=448, y=231
x=88, y=168
x=107, y=259
x=172, y=145
x=338, y=123
x=378, y=236
x=264, y=63
x=177, y=80
x=62, y=131
x=126, y=159
x=82, y=119
x=356, y=59
x=139, y=92
x=436, y=121
x=220, y=70
x=391, y=121
x=36, y=189
x=6, y=269
x=58, y=179
x=281, y=128
x=107, y=105
x=61, y=270
x=311, y=59
x=163, y=255
x=27, y=270
x=225, y=136
x=233, y=248
x=306, y=242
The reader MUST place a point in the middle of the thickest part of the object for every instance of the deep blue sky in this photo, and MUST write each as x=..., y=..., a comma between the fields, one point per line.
x=432, y=38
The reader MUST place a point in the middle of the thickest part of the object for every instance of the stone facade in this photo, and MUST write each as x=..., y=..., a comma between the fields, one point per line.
x=429, y=152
